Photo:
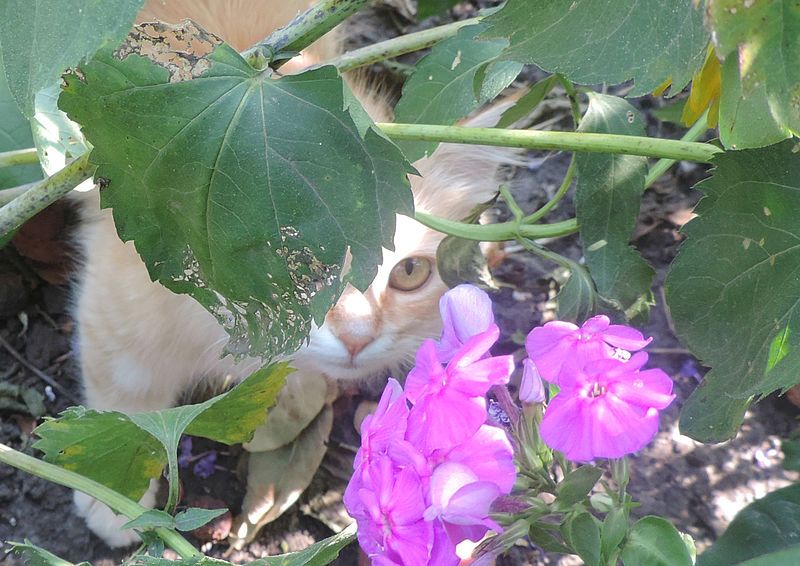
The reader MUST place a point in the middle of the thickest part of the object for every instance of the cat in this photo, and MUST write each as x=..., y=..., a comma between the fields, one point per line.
x=141, y=346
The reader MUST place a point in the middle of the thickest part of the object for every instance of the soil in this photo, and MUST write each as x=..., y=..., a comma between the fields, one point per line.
x=698, y=487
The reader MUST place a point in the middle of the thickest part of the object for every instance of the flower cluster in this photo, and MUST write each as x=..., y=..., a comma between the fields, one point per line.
x=429, y=467
x=607, y=406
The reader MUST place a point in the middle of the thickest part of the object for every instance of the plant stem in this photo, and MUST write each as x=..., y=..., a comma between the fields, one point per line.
x=567, y=141
x=304, y=29
x=397, y=46
x=497, y=232
x=19, y=157
x=562, y=190
x=116, y=501
x=44, y=193
x=572, y=94
x=661, y=166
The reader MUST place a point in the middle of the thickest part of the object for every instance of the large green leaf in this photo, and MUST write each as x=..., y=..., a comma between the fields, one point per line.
x=769, y=525
x=440, y=91
x=607, y=201
x=41, y=38
x=733, y=287
x=240, y=190
x=760, y=42
x=15, y=133
x=653, y=541
x=124, y=452
x=606, y=41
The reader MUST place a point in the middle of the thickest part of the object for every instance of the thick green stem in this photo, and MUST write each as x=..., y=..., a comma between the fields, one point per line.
x=661, y=166
x=497, y=232
x=304, y=29
x=565, y=141
x=19, y=157
x=551, y=204
x=43, y=194
x=116, y=501
x=398, y=46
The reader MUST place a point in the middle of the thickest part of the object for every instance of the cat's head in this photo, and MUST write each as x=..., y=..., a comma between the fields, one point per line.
x=378, y=330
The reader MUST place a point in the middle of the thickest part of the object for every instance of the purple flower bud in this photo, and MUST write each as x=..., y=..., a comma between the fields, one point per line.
x=531, y=387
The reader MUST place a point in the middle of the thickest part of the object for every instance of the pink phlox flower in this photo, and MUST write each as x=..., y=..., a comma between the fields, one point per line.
x=531, y=387
x=551, y=345
x=449, y=402
x=385, y=426
x=609, y=409
x=466, y=311
x=391, y=522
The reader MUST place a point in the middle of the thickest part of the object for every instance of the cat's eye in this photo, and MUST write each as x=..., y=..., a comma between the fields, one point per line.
x=410, y=274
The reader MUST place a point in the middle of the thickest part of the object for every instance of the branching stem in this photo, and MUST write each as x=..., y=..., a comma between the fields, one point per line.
x=661, y=166
x=116, y=501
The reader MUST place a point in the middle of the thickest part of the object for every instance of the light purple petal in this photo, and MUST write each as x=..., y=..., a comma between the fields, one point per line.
x=426, y=374
x=549, y=346
x=625, y=337
x=476, y=347
x=478, y=377
x=488, y=453
x=466, y=311
x=443, y=552
x=531, y=387
x=566, y=427
x=595, y=325
x=649, y=388
x=411, y=543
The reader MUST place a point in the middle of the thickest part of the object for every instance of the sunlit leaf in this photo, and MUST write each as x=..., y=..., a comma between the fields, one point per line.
x=607, y=199
x=42, y=38
x=606, y=41
x=705, y=93
x=243, y=191
x=733, y=287
x=653, y=541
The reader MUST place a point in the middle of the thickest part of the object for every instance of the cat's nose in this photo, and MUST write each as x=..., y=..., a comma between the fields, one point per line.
x=355, y=343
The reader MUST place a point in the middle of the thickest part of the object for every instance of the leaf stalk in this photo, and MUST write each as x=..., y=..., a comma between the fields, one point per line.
x=497, y=232
x=19, y=157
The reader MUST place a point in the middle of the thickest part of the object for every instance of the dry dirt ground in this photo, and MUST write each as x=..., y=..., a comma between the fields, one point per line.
x=698, y=487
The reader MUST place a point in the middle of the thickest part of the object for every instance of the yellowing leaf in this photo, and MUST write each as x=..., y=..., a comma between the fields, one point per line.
x=705, y=92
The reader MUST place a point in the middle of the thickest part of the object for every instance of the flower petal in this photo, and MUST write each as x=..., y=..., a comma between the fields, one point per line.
x=466, y=311
x=549, y=346
x=625, y=337
x=595, y=325
x=531, y=388
x=426, y=373
x=445, y=419
x=488, y=453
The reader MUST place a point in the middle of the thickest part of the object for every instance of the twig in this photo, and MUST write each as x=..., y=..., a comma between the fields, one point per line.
x=39, y=373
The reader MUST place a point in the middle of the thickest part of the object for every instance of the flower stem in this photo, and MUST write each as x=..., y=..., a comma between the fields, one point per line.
x=44, y=193
x=304, y=29
x=497, y=232
x=567, y=141
x=116, y=501
x=19, y=157
x=661, y=166
x=551, y=204
x=398, y=46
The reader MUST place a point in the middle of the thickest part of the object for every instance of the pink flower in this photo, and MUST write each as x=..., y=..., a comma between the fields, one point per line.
x=449, y=403
x=385, y=426
x=531, y=388
x=466, y=311
x=607, y=409
x=551, y=345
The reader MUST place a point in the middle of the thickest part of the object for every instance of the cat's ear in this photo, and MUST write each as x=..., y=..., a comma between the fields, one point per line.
x=458, y=177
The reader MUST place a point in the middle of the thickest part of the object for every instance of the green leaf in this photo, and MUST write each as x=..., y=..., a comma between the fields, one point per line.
x=583, y=535
x=15, y=133
x=745, y=119
x=42, y=38
x=428, y=8
x=766, y=526
x=576, y=485
x=124, y=452
x=440, y=91
x=653, y=541
x=606, y=41
x=151, y=519
x=57, y=138
x=607, y=200
x=546, y=540
x=791, y=454
x=528, y=101
x=615, y=527
x=577, y=298
x=462, y=261
x=760, y=43
x=243, y=191
x=788, y=555
x=195, y=517
x=33, y=555
x=733, y=286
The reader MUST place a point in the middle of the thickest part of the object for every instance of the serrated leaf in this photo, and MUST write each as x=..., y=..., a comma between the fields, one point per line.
x=124, y=452
x=653, y=541
x=33, y=555
x=42, y=38
x=195, y=517
x=733, y=286
x=607, y=200
x=151, y=519
x=243, y=191
x=528, y=102
x=440, y=91
x=762, y=40
x=605, y=41
x=15, y=133
x=428, y=8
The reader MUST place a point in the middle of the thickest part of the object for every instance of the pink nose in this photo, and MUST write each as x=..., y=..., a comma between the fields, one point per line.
x=354, y=344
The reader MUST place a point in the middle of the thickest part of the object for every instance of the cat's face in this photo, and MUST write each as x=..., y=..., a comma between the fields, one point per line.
x=367, y=333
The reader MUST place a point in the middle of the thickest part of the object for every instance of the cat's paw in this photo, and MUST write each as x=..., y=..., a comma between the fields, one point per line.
x=106, y=524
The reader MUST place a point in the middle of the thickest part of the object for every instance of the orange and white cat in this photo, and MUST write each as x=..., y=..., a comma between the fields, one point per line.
x=142, y=346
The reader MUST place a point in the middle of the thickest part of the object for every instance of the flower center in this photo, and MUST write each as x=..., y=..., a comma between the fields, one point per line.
x=597, y=390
